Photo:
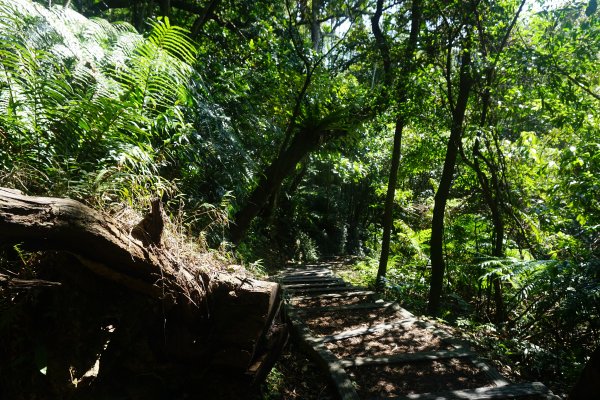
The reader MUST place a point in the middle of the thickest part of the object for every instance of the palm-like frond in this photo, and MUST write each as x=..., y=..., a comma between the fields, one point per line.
x=159, y=71
x=79, y=98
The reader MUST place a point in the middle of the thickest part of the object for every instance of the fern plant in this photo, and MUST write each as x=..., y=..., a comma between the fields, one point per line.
x=86, y=106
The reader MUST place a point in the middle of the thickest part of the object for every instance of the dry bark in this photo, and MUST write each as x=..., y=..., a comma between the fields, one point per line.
x=209, y=318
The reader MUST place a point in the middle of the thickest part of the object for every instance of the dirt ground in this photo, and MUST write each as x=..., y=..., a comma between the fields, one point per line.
x=330, y=322
x=331, y=301
x=402, y=339
x=417, y=377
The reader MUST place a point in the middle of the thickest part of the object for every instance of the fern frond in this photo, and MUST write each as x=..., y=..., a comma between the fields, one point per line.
x=79, y=96
x=174, y=40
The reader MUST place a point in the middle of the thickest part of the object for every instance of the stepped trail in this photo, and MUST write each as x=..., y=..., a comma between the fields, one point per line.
x=371, y=349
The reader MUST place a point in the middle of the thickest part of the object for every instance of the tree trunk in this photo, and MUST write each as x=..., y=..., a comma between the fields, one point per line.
x=498, y=246
x=207, y=318
x=492, y=195
x=302, y=144
x=441, y=196
x=204, y=15
x=405, y=72
x=388, y=217
x=388, y=210
x=500, y=316
x=315, y=25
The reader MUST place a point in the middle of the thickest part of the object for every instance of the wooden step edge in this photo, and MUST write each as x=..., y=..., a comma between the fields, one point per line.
x=491, y=372
x=335, y=295
x=308, y=285
x=313, y=265
x=294, y=287
x=460, y=344
x=349, y=307
x=303, y=275
x=511, y=391
x=324, y=358
x=298, y=272
x=401, y=314
x=292, y=278
x=309, y=277
x=324, y=290
x=315, y=279
x=446, y=337
x=365, y=331
x=405, y=358
x=338, y=375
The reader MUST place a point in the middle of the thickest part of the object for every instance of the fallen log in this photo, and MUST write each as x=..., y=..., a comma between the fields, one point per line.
x=179, y=317
x=97, y=240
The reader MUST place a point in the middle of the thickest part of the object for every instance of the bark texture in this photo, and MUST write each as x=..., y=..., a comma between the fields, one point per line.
x=302, y=144
x=438, y=265
x=405, y=72
x=167, y=316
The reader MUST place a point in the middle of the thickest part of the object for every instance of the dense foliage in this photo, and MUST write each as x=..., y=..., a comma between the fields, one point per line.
x=279, y=118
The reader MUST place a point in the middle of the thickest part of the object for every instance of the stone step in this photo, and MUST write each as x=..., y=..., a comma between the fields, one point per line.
x=365, y=293
x=308, y=285
x=405, y=358
x=366, y=331
x=511, y=391
x=308, y=279
x=321, y=290
x=360, y=306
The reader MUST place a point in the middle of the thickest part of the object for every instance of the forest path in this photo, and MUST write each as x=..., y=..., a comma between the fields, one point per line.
x=372, y=349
